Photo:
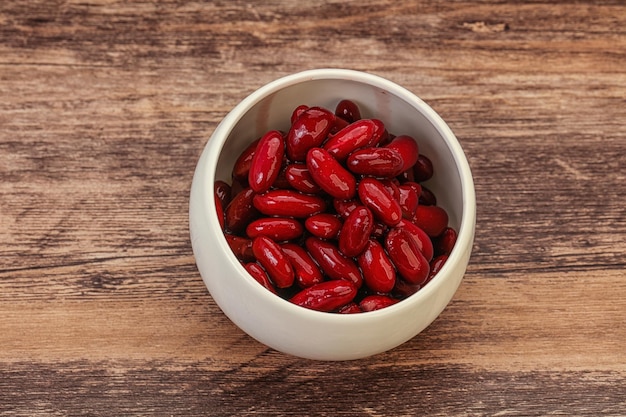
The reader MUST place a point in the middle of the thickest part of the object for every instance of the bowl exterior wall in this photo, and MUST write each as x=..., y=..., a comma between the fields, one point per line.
x=276, y=322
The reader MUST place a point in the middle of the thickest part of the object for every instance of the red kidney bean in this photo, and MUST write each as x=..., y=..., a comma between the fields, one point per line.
x=407, y=148
x=328, y=173
x=332, y=262
x=288, y=203
x=408, y=201
x=272, y=258
x=423, y=241
x=348, y=110
x=379, y=272
x=300, y=178
x=375, y=196
x=376, y=302
x=444, y=243
x=241, y=247
x=423, y=169
x=380, y=133
x=326, y=296
x=345, y=207
x=432, y=219
x=436, y=265
x=258, y=273
x=297, y=112
x=266, y=161
x=276, y=228
x=354, y=136
x=306, y=270
x=223, y=192
x=350, y=308
x=356, y=231
x=240, y=211
x=417, y=187
x=323, y=225
x=406, y=256
x=376, y=162
x=308, y=131
x=243, y=162
x=392, y=187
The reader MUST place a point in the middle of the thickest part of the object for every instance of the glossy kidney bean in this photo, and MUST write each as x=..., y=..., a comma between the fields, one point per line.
x=308, y=131
x=288, y=203
x=348, y=110
x=266, y=161
x=350, y=308
x=241, y=247
x=417, y=187
x=332, y=262
x=408, y=200
x=423, y=241
x=376, y=162
x=223, y=192
x=276, y=228
x=407, y=148
x=323, y=225
x=329, y=174
x=272, y=258
x=300, y=178
x=356, y=231
x=432, y=219
x=376, y=302
x=240, y=211
x=436, y=265
x=406, y=256
x=306, y=270
x=354, y=136
x=241, y=168
x=392, y=187
x=375, y=196
x=258, y=273
x=445, y=242
x=297, y=112
x=379, y=273
x=380, y=133
x=326, y=296
x=423, y=168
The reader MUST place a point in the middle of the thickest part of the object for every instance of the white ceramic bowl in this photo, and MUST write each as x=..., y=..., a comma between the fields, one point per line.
x=276, y=322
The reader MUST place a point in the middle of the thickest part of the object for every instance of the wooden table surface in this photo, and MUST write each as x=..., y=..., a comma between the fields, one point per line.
x=105, y=107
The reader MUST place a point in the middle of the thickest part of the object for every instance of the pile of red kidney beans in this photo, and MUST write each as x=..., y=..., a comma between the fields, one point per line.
x=332, y=215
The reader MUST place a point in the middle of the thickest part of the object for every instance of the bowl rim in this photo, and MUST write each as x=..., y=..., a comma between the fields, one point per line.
x=465, y=233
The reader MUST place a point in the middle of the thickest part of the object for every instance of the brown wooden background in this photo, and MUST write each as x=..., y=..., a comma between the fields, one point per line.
x=106, y=105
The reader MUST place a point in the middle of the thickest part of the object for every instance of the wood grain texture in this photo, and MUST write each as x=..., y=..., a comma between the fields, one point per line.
x=106, y=105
